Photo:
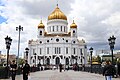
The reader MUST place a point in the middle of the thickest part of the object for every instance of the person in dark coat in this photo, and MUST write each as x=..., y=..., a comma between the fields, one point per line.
x=118, y=66
x=13, y=68
x=108, y=71
x=60, y=67
x=26, y=70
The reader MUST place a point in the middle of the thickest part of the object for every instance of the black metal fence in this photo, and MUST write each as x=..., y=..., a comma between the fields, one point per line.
x=98, y=70
x=3, y=71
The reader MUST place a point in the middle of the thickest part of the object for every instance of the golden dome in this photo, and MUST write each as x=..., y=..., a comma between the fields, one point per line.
x=41, y=25
x=73, y=25
x=57, y=14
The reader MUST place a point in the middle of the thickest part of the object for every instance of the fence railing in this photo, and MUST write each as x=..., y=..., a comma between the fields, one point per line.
x=3, y=72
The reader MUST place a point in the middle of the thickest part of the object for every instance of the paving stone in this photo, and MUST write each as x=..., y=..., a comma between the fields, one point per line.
x=65, y=75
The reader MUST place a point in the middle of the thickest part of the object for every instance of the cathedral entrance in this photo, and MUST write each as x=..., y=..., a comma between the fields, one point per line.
x=67, y=61
x=57, y=61
x=48, y=61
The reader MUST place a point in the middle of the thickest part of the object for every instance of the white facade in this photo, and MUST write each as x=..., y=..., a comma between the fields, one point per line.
x=57, y=45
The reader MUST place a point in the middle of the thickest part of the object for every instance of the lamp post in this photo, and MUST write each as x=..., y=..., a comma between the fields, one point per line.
x=26, y=51
x=18, y=29
x=8, y=42
x=81, y=58
x=35, y=58
x=91, y=51
x=112, y=43
x=39, y=61
x=76, y=58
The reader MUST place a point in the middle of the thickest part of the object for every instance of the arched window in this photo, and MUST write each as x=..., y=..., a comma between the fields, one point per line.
x=67, y=61
x=57, y=61
x=55, y=50
x=40, y=32
x=53, y=28
x=59, y=50
x=57, y=28
x=61, y=28
x=66, y=50
x=48, y=61
x=33, y=61
x=73, y=32
x=74, y=50
x=64, y=28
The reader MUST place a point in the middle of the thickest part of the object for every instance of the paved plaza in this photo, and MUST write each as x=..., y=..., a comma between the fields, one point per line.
x=65, y=75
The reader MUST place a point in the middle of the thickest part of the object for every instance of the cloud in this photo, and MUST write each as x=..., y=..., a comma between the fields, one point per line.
x=97, y=20
x=42, y=8
x=113, y=20
x=26, y=13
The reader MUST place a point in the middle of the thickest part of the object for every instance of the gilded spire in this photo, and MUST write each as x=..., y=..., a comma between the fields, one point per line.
x=57, y=3
x=41, y=21
x=73, y=21
x=57, y=14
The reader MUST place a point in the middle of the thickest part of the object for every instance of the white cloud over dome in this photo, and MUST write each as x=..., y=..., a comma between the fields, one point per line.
x=96, y=20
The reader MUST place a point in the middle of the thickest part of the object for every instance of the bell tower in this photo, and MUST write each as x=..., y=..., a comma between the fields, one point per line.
x=73, y=29
x=41, y=30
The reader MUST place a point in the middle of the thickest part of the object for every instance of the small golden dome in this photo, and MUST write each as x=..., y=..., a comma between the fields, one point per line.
x=57, y=14
x=73, y=25
x=41, y=25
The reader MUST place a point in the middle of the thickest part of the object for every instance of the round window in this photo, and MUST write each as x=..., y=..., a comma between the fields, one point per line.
x=47, y=40
x=73, y=41
x=40, y=42
x=66, y=40
x=57, y=40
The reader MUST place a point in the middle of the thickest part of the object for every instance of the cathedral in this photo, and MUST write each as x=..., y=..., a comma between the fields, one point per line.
x=57, y=42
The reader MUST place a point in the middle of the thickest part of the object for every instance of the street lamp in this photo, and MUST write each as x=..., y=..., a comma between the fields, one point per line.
x=35, y=58
x=112, y=43
x=91, y=51
x=8, y=42
x=18, y=29
x=26, y=51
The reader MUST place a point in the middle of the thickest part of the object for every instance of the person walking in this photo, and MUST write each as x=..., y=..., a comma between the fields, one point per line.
x=13, y=68
x=60, y=67
x=118, y=68
x=108, y=71
x=26, y=70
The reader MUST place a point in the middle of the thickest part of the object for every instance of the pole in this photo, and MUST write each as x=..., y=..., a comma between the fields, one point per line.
x=7, y=62
x=35, y=60
x=112, y=56
x=91, y=62
x=18, y=47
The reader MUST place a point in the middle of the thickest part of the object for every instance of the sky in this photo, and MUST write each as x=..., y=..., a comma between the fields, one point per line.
x=97, y=20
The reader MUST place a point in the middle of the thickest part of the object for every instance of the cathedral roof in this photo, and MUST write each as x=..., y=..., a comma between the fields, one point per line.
x=41, y=25
x=57, y=14
x=52, y=35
